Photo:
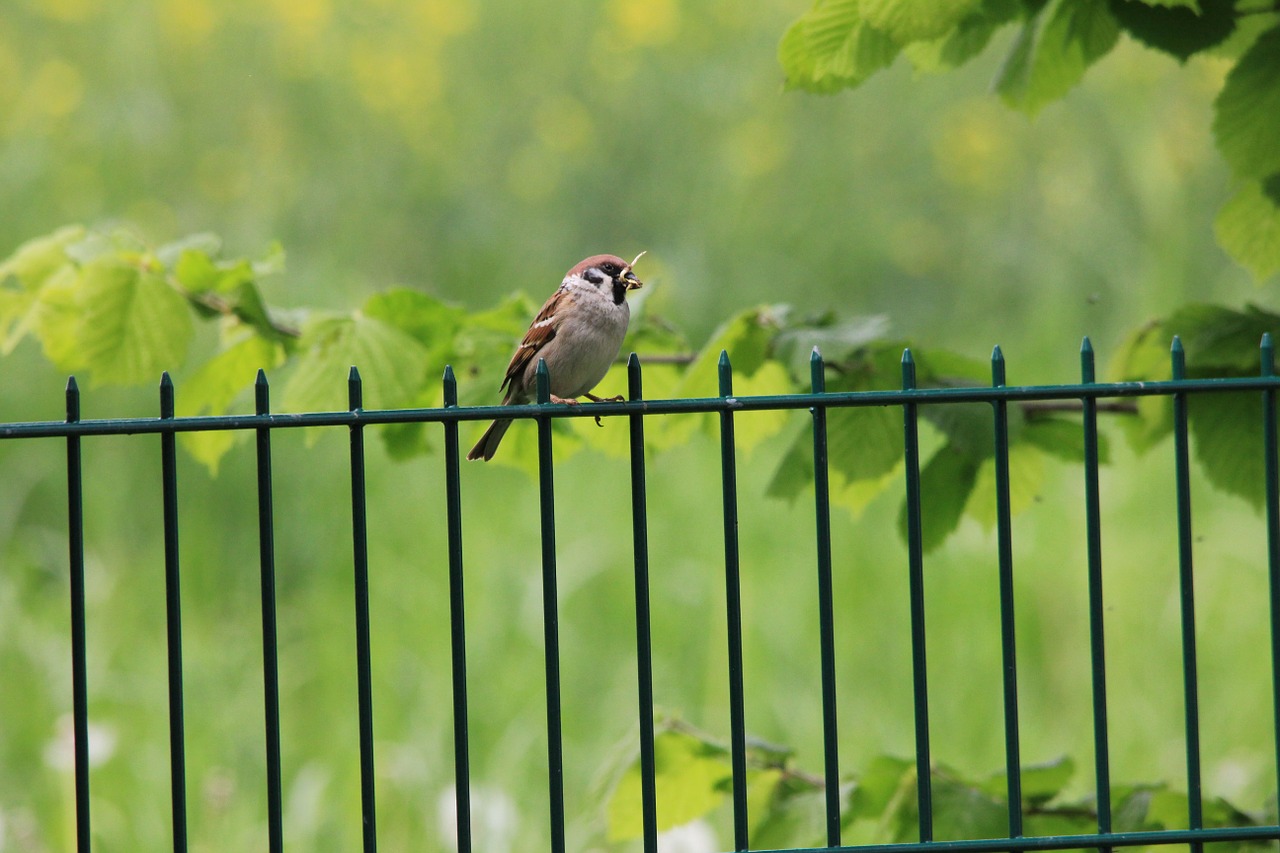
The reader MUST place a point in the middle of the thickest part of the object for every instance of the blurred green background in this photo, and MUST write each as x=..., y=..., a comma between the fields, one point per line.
x=471, y=149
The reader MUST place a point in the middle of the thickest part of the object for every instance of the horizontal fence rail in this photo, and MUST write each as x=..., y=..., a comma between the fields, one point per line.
x=635, y=409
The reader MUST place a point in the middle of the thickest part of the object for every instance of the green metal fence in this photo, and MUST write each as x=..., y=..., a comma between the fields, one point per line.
x=636, y=408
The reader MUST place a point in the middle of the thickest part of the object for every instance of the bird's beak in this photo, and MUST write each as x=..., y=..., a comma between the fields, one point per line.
x=633, y=283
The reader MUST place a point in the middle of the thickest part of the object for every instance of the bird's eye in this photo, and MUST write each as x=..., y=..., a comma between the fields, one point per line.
x=610, y=267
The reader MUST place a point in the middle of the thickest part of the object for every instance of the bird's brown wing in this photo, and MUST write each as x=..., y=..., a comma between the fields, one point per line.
x=541, y=332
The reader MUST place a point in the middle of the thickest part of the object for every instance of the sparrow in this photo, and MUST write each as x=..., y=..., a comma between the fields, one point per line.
x=578, y=333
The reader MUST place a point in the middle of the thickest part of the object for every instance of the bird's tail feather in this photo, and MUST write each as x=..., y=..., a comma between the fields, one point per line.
x=488, y=443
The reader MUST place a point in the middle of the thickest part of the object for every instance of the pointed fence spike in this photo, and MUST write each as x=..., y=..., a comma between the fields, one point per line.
x=997, y=366
x=73, y=400
x=635, y=384
x=1087, y=368
x=726, y=374
x=450, y=387
x=262, y=393
x=1268, y=355
x=908, y=370
x=817, y=372
x=355, y=389
x=542, y=381
x=166, y=395
x=1086, y=345
x=1178, y=357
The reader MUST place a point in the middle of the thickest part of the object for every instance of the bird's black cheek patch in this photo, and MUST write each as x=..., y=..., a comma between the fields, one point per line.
x=619, y=292
x=593, y=277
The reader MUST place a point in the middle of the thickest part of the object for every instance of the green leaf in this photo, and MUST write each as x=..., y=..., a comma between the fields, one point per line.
x=1026, y=475
x=133, y=326
x=796, y=815
x=1248, y=228
x=1179, y=30
x=36, y=260
x=946, y=482
x=423, y=317
x=212, y=389
x=392, y=365
x=960, y=810
x=831, y=47
x=1218, y=339
x=905, y=21
x=204, y=243
x=969, y=427
x=970, y=35
x=1040, y=782
x=837, y=340
x=1045, y=63
x=690, y=774
x=1227, y=429
x=1063, y=439
x=1145, y=357
x=1246, y=122
x=883, y=782
x=762, y=794
x=752, y=428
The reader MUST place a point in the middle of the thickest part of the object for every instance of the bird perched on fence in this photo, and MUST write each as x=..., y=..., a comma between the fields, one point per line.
x=578, y=333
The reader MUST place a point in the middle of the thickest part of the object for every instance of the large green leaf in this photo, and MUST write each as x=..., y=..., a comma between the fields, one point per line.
x=906, y=21
x=392, y=365
x=966, y=40
x=1246, y=119
x=132, y=326
x=1248, y=227
x=1178, y=30
x=25, y=274
x=831, y=47
x=1048, y=59
x=690, y=776
x=1026, y=475
x=212, y=389
x=1228, y=442
x=36, y=260
x=946, y=482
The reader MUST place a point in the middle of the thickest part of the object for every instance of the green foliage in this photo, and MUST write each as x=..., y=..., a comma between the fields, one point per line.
x=839, y=44
x=1227, y=428
x=787, y=806
x=122, y=313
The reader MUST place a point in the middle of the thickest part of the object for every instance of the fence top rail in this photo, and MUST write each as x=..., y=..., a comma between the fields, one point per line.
x=772, y=402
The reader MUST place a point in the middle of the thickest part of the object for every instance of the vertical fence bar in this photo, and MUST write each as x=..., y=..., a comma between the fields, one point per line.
x=826, y=607
x=644, y=643
x=1271, y=473
x=1097, y=646
x=1004, y=535
x=550, y=614
x=173, y=619
x=360, y=558
x=457, y=619
x=79, y=677
x=270, y=663
x=1187, y=592
x=915, y=558
x=733, y=607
